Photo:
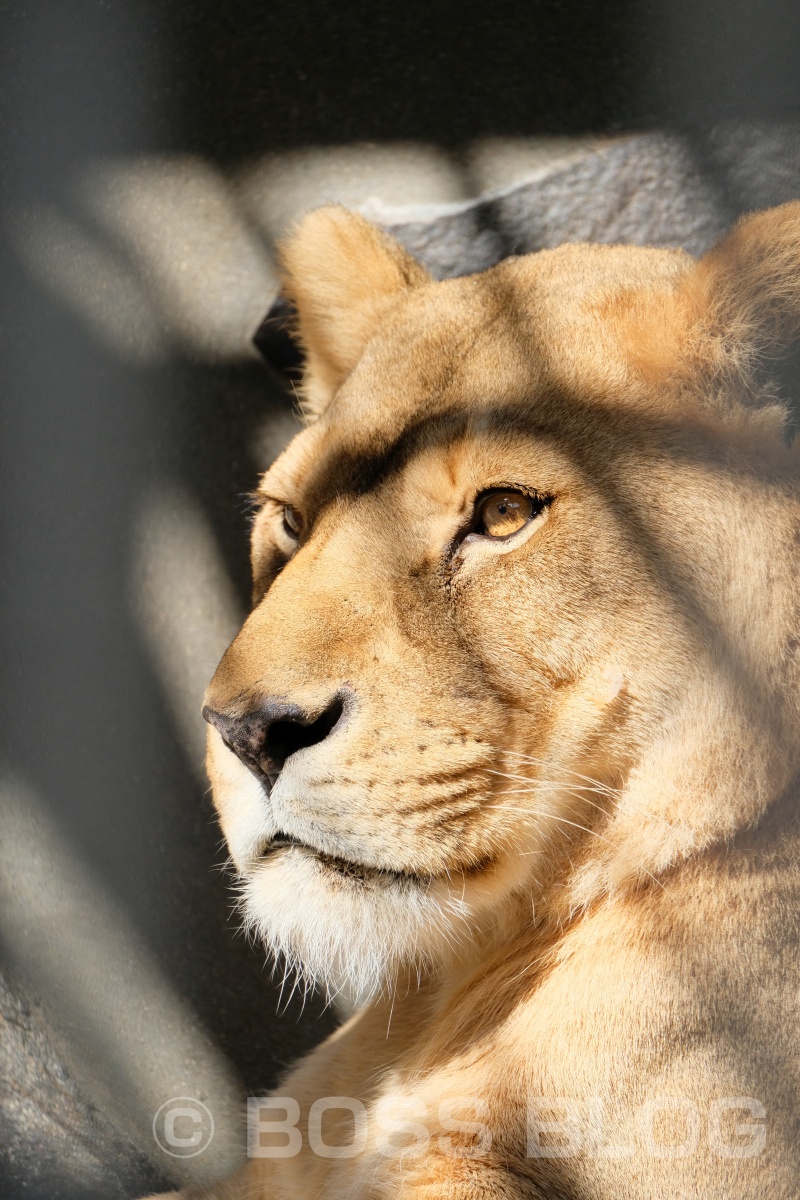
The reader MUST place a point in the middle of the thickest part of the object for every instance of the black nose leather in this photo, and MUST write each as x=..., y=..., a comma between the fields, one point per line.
x=265, y=737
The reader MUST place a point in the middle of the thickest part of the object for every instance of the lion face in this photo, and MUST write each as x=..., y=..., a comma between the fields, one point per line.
x=493, y=579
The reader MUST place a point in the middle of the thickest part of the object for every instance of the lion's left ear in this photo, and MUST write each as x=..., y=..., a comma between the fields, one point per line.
x=340, y=273
x=748, y=289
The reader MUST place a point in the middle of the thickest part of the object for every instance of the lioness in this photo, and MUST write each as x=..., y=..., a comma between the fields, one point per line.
x=508, y=748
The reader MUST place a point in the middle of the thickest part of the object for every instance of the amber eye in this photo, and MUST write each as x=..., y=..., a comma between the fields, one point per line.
x=499, y=514
x=292, y=522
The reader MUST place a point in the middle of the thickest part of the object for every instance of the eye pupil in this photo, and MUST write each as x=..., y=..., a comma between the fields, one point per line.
x=292, y=522
x=499, y=514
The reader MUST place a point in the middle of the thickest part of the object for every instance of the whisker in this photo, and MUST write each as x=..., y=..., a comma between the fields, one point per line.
x=591, y=785
x=541, y=762
x=584, y=829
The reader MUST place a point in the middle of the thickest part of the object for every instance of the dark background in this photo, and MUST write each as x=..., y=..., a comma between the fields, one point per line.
x=83, y=433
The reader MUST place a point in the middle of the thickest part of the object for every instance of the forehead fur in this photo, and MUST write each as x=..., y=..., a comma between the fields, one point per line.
x=382, y=338
x=559, y=341
x=525, y=341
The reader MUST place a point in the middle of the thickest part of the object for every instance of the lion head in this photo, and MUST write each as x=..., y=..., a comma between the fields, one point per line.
x=525, y=616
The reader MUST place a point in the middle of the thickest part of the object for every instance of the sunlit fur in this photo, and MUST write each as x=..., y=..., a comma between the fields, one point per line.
x=354, y=939
x=565, y=779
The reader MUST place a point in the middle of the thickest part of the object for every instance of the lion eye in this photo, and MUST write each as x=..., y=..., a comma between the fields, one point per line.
x=500, y=514
x=292, y=522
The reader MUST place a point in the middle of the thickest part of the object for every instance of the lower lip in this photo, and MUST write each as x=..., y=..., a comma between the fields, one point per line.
x=360, y=872
x=355, y=872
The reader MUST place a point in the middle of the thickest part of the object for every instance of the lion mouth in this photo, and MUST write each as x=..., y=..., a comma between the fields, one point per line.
x=359, y=872
x=346, y=868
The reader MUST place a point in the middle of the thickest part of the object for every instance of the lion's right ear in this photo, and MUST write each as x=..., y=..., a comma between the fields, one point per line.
x=340, y=273
x=748, y=289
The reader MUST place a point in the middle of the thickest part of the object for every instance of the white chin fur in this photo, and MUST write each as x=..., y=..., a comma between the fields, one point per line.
x=352, y=936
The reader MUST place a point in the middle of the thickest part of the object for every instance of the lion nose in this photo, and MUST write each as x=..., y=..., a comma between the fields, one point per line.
x=268, y=735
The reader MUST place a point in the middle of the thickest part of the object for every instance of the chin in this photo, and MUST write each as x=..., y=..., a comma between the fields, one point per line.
x=352, y=930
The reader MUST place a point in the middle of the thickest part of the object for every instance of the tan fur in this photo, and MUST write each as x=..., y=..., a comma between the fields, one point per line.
x=584, y=745
x=338, y=245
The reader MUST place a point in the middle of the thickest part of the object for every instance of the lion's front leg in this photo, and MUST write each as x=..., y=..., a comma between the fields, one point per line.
x=250, y=1183
x=436, y=1173
x=433, y=1180
x=441, y=1177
